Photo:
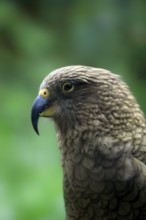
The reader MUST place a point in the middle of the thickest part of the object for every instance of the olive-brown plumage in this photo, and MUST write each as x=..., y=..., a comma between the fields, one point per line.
x=102, y=137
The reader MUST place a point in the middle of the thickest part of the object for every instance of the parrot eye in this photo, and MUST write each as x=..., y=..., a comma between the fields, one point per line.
x=67, y=87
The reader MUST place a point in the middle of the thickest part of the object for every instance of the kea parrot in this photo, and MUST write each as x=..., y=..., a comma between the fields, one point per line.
x=101, y=134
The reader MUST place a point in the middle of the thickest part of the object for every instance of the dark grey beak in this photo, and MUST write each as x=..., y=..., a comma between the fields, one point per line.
x=39, y=105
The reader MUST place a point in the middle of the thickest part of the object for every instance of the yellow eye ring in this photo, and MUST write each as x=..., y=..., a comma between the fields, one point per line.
x=67, y=87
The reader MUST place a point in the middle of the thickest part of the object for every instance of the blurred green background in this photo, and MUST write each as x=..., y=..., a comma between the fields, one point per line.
x=37, y=37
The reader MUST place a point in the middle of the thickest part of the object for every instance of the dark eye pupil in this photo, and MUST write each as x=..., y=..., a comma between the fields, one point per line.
x=67, y=87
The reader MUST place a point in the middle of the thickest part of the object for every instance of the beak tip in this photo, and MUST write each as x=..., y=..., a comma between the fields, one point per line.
x=35, y=124
x=34, y=121
x=38, y=107
x=37, y=132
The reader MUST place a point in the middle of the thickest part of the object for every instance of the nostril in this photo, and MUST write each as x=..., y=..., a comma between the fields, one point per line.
x=44, y=93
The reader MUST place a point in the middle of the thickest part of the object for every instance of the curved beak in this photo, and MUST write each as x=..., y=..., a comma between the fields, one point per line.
x=39, y=106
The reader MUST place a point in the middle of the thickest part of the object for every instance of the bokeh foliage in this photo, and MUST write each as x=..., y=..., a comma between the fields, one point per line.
x=35, y=38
